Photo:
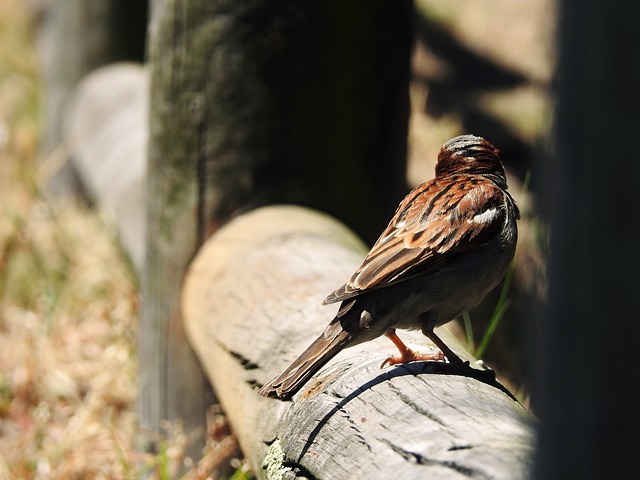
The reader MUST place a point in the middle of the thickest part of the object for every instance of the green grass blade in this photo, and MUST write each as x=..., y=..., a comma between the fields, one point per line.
x=498, y=313
x=468, y=331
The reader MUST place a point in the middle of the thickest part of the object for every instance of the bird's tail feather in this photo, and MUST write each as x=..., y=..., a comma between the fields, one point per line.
x=323, y=349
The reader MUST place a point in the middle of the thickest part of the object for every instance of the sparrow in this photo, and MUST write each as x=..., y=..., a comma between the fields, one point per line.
x=449, y=243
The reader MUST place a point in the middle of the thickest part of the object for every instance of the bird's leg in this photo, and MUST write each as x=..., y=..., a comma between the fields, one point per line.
x=406, y=354
x=452, y=357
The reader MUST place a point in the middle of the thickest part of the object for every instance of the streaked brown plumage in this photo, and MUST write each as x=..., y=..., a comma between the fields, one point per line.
x=449, y=243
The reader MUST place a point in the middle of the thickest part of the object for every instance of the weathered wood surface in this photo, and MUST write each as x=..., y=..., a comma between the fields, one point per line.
x=284, y=102
x=251, y=303
x=107, y=128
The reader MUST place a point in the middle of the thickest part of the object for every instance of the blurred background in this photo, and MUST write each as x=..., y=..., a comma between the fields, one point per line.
x=69, y=290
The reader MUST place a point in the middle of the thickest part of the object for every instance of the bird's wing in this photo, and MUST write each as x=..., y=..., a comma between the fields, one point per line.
x=439, y=218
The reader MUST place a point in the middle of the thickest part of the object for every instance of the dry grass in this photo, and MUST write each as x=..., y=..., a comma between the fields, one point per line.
x=66, y=350
x=67, y=305
x=68, y=311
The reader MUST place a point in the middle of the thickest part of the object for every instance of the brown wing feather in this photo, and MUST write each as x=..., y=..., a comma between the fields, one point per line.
x=437, y=219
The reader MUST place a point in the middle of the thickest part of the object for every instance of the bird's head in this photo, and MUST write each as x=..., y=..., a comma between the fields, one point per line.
x=469, y=154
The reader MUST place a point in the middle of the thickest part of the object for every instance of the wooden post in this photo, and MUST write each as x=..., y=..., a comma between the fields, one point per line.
x=590, y=380
x=252, y=302
x=76, y=37
x=108, y=131
x=252, y=103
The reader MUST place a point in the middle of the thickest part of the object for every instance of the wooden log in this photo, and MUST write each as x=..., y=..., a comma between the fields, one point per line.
x=108, y=131
x=251, y=303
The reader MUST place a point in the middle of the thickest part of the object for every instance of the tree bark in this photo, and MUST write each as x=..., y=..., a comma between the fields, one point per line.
x=251, y=303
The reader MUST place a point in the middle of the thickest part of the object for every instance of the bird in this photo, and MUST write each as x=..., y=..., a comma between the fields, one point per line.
x=449, y=243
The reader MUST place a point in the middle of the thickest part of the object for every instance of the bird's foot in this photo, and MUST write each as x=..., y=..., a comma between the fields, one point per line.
x=409, y=355
x=406, y=354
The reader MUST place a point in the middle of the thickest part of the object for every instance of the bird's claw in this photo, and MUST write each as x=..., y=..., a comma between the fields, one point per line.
x=411, y=356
